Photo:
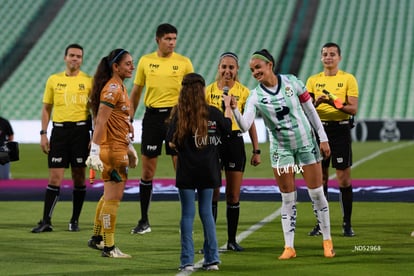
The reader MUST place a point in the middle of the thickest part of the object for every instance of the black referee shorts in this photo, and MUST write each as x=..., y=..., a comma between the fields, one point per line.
x=232, y=152
x=340, y=142
x=69, y=144
x=154, y=131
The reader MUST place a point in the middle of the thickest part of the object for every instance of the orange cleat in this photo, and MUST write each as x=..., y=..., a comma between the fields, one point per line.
x=288, y=253
x=328, y=250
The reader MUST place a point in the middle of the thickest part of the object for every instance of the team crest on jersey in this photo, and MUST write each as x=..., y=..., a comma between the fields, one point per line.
x=112, y=87
x=275, y=157
x=289, y=91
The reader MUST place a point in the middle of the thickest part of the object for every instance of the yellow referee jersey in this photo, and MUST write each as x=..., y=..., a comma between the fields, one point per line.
x=239, y=91
x=69, y=96
x=162, y=77
x=343, y=84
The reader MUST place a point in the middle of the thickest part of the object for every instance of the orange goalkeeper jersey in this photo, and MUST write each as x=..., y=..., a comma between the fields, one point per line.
x=115, y=95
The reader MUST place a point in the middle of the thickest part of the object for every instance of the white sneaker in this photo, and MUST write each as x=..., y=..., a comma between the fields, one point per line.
x=211, y=267
x=115, y=253
x=187, y=268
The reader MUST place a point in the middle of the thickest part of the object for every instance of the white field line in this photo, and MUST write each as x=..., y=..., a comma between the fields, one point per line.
x=375, y=154
x=239, y=237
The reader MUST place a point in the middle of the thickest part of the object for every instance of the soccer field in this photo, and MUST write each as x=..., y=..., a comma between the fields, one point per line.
x=382, y=245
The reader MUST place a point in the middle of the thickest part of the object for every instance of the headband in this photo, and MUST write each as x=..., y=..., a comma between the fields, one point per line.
x=260, y=56
x=116, y=57
x=230, y=54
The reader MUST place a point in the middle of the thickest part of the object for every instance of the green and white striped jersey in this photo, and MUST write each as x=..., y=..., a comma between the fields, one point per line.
x=283, y=115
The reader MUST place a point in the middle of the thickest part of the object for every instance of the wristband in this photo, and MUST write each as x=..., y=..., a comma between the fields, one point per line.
x=43, y=132
x=256, y=151
x=95, y=149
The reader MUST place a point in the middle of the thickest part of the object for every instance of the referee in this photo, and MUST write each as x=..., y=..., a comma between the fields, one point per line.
x=336, y=101
x=67, y=94
x=161, y=72
x=232, y=149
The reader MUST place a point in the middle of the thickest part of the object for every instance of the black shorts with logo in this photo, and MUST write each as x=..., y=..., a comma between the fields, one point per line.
x=232, y=152
x=69, y=144
x=154, y=131
x=340, y=142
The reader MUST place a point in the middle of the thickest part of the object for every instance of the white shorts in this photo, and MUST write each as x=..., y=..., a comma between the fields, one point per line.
x=295, y=158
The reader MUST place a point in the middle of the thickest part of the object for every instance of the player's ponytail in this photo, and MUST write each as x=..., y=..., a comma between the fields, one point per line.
x=102, y=75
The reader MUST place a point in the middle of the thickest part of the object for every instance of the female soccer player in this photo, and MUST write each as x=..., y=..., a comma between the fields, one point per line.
x=111, y=150
x=290, y=117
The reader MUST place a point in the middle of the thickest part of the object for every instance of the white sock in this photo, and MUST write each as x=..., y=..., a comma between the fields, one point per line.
x=320, y=205
x=288, y=213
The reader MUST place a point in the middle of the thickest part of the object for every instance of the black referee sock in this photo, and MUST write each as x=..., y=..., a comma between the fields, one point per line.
x=78, y=197
x=145, y=193
x=346, y=200
x=51, y=198
x=233, y=213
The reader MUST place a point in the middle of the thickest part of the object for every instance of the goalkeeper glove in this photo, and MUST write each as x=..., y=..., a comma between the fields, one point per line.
x=93, y=160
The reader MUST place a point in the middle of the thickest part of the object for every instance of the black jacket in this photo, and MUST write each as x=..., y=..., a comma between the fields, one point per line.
x=199, y=168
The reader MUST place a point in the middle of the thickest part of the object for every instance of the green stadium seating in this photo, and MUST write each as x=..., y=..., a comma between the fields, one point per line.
x=376, y=39
x=15, y=15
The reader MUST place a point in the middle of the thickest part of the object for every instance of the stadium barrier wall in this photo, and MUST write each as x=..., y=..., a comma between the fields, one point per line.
x=27, y=131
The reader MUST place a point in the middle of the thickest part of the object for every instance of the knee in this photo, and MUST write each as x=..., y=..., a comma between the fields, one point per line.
x=232, y=199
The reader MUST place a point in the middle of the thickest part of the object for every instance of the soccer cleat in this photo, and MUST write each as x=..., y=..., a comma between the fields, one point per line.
x=141, y=228
x=74, y=226
x=328, y=250
x=115, y=253
x=186, y=268
x=234, y=246
x=316, y=231
x=96, y=242
x=288, y=253
x=347, y=230
x=211, y=267
x=42, y=227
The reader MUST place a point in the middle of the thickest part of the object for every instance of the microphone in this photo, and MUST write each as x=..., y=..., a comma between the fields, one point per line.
x=226, y=90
